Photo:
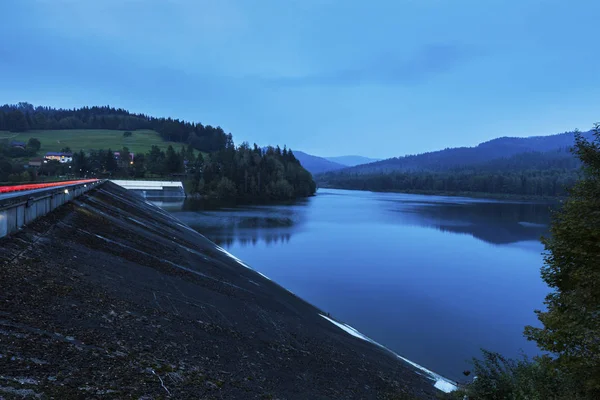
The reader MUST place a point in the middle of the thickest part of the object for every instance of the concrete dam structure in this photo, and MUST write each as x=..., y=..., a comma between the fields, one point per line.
x=153, y=189
x=110, y=297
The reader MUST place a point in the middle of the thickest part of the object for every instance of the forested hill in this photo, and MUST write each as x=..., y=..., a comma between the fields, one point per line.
x=547, y=174
x=221, y=172
x=535, y=166
x=500, y=148
x=24, y=116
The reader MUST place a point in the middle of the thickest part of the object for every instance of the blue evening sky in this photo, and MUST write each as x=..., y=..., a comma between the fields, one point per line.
x=379, y=78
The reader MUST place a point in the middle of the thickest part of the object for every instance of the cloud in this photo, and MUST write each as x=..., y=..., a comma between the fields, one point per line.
x=390, y=68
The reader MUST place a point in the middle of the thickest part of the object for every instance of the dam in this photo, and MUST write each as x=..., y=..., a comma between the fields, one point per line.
x=111, y=281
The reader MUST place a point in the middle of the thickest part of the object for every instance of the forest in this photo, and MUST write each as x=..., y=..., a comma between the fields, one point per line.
x=233, y=175
x=525, y=183
x=239, y=175
x=548, y=174
x=23, y=117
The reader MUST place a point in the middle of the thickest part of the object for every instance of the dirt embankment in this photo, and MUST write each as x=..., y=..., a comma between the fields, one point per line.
x=110, y=297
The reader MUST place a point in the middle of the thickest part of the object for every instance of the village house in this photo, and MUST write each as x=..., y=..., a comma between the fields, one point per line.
x=17, y=144
x=61, y=157
x=35, y=162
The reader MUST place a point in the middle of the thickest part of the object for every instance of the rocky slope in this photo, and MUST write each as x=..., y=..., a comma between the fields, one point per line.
x=110, y=297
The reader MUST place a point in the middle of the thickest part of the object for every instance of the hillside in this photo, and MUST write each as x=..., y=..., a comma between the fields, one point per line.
x=24, y=117
x=352, y=161
x=525, y=167
x=205, y=157
x=468, y=156
x=316, y=165
x=140, y=141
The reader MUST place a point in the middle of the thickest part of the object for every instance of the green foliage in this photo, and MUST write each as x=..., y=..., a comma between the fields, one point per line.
x=173, y=161
x=53, y=168
x=15, y=121
x=257, y=176
x=571, y=322
x=499, y=378
x=110, y=163
x=81, y=164
x=33, y=145
x=139, y=165
x=225, y=189
x=127, y=134
x=525, y=183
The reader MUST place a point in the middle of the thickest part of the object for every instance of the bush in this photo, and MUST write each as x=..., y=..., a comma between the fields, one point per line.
x=500, y=378
x=127, y=134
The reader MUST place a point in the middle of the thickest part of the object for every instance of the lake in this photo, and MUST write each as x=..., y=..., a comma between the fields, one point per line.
x=432, y=278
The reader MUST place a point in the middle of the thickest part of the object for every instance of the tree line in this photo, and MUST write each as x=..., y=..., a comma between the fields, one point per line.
x=526, y=174
x=523, y=183
x=22, y=117
x=233, y=175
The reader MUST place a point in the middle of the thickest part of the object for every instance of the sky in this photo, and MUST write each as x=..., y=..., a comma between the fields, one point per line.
x=378, y=78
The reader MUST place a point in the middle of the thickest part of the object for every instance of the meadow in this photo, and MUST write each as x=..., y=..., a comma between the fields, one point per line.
x=92, y=139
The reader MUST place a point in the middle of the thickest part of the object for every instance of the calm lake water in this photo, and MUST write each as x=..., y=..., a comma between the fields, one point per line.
x=432, y=278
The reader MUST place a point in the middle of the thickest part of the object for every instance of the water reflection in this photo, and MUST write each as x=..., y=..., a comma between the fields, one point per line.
x=433, y=278
x=494, y=222
x=166, y=203
x=491, y=221
x=246, y=226
x=267, y=238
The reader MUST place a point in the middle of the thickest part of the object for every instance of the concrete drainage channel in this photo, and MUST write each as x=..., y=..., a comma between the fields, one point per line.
x=19, y=210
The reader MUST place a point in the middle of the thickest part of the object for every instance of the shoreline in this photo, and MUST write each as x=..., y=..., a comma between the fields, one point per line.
x=475, y=195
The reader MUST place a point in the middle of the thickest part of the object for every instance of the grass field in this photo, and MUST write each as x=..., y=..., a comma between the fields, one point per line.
x=92, y=139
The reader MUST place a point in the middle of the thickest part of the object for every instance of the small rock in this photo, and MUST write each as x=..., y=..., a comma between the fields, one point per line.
x=210, y=385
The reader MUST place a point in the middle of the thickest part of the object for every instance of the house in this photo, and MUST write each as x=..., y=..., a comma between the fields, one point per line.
x=35, y=162
x=20, y=145
x=61, y=157
x=117, y=155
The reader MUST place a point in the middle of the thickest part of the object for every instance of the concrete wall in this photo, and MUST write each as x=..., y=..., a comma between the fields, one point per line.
x=147, y=185
x=152, y=189
x=27, y=208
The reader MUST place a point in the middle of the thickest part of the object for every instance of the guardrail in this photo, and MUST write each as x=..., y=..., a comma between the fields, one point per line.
x=26, y=205
x=33, y=186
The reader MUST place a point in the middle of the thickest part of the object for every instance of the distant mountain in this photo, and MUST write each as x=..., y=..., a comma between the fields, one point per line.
x=500, y=148
x=316, y=165
x=351, y=161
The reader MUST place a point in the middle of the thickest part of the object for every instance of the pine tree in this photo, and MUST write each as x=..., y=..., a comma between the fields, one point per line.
x=173, y=161
x=110, y=163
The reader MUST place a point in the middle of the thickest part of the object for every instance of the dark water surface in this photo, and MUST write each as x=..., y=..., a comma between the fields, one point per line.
x=432, y=278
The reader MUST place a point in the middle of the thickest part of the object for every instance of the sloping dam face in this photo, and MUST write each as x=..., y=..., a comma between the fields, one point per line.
x=110, y=297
